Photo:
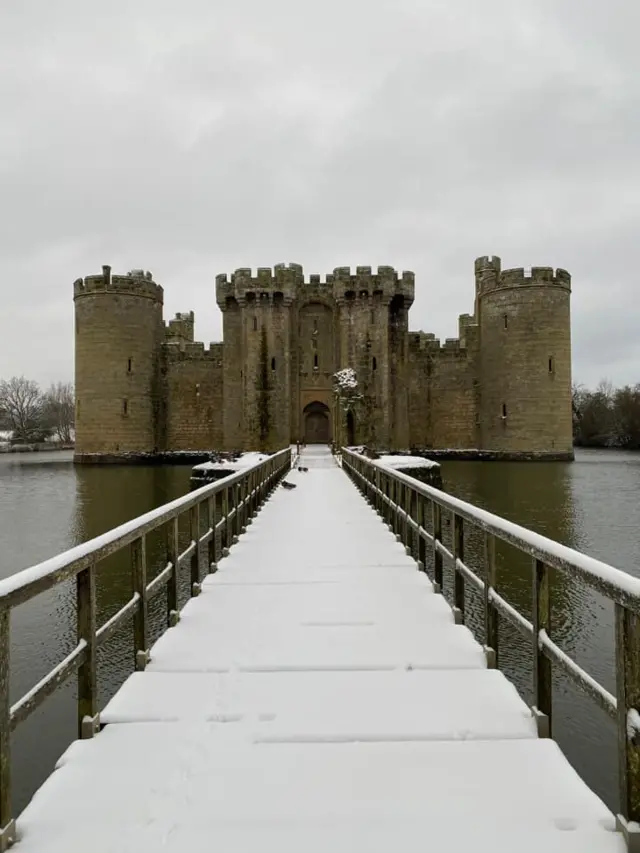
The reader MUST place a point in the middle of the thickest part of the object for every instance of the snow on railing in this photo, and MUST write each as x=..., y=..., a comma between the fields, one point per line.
x=414, y=512
x=224, y=508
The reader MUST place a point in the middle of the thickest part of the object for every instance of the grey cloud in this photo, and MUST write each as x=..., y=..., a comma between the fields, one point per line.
x=195, y=139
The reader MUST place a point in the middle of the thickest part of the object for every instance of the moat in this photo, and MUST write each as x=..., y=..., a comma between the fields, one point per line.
x=47, y=505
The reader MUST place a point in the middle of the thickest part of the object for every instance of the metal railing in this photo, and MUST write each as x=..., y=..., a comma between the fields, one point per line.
x=410, y=507
x=226, y=506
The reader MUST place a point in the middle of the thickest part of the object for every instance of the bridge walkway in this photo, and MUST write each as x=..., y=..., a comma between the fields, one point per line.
x=317, y=695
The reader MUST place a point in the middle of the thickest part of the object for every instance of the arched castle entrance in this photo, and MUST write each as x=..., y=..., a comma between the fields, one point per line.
x=317, y=423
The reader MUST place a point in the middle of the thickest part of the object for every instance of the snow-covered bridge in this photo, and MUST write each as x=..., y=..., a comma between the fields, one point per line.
x=317, y=693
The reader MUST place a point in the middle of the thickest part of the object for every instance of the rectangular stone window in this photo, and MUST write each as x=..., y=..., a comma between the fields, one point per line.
x=315, y=360
x=375, y=363
x=505, y=320
x=273, y=364
x=125, y=407
x=129, y=365
x=552, y=366
x=504, y=411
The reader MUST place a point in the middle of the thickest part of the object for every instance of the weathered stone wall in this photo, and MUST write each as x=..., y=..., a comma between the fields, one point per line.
x=181, y=328
x=443, y=389
x=525, y=362
x=194, y=397
x=452, y=392
x=118, y=336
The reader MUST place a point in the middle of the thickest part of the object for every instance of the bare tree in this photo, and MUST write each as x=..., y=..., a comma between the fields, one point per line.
x=59, y=410
x=22, y=405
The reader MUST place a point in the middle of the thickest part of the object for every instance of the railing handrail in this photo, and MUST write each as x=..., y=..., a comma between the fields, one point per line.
x=614, y=583
x=409, y=507
x=230, y=505
x=34, y=580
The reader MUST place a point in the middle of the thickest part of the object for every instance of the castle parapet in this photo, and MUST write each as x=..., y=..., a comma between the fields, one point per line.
x=490, y=276
x=385, y=283
x=179, y=351
x=134, y=283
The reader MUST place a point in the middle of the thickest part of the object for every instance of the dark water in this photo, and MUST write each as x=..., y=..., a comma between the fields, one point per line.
x=48, y=505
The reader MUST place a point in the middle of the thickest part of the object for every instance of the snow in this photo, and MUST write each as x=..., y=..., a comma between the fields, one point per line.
x=406, y=462
x=197, y=787
x=241, y=464
x=633, y=725
x=346, y=380
x=316, y=696
x=332, y=706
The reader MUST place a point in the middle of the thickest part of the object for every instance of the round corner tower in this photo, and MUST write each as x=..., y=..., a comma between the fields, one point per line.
x=118, y=340
x=525, y=359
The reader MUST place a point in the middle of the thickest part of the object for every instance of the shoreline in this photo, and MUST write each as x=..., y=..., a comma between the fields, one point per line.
x=36, y=448
x=197, y=457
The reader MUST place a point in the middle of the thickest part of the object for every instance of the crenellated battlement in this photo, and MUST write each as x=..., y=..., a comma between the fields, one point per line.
x=490, y=276
x=180, y=351
x=487, y=262
x=385, y=283
x=135, y=283
x=288, y=281
x=535, y=276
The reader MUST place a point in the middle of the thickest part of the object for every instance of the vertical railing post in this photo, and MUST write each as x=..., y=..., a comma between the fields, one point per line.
x=457, y=537
x=379, y=503
x=196, y=557
x=244, y=494
x=173, y=550
x=628, y=696
x=396, y=500
x=413, y=515
x=490, y=612
x=541, y=664
x=88, y=716
x=237, y=491
x=140, y=616
x=252, y=495
x=211, y=525
x=226, y=504
x=421, y=519
x=7, y=824
x=406, y=497
x=437, y=538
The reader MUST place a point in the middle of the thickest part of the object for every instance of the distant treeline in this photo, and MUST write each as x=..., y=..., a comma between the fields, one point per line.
x=607, y=417
x=30, y=415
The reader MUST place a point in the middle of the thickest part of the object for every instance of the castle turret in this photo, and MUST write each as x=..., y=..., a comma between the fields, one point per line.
x=118, y=337
x=525, y=358
x=373, y=326
x=257, y=355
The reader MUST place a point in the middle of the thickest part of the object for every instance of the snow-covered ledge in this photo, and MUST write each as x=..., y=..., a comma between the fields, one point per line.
x=425, y=470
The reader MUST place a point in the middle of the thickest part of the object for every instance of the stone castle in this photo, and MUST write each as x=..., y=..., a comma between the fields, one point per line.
x=502, y=387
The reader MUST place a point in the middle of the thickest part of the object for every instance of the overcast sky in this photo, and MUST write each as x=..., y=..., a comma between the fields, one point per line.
x=194, y=137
